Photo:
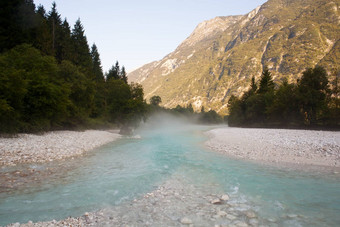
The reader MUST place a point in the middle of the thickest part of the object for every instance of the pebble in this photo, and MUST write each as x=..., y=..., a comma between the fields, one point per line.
x=230, y=217
x=222, y=213
x=278, y=145
x=54, y=145
x=186, y=221
x=225, y=197
x=253, y=222
x=250, y=214
x=216, y=201
x=271, y=220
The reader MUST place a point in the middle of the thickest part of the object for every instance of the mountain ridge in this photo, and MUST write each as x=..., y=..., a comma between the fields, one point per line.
x=221, y=55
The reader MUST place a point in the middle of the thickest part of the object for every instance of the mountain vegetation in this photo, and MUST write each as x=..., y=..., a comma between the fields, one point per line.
x=220, y=58
x=308, y=103
x=51, y=79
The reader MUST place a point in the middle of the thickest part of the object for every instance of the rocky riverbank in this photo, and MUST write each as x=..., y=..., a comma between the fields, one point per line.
x=30, y=148
x=180, y=202
x=320, y=148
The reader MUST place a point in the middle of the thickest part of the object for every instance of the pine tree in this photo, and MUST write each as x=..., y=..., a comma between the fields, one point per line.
x=96, y=63
x=266, y=82
x=113, y=72
x=253, y=86
x=117, y=69
x=123, y=75
x=44, y=36
x=64, y=51
x=82, y=55
x=54, y=21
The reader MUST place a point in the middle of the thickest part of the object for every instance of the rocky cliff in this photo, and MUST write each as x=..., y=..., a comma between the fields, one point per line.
x=221, y=55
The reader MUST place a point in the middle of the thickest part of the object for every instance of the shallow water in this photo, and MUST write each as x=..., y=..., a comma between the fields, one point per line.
x=127, y=169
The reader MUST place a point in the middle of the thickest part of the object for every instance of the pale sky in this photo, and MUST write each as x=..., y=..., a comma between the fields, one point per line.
x=136, y=32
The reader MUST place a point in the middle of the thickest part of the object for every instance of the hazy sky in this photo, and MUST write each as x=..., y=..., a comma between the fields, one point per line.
x=136, y=32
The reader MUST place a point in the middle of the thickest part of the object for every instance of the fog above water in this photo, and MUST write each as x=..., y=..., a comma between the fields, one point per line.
x=165, y=122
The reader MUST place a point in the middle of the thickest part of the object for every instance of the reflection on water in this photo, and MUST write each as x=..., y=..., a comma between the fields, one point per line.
x=125, y=169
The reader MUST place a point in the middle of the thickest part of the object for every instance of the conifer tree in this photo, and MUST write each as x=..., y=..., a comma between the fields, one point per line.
x=64, y=51
x=96, y=63
x=54, y=21
x=82, y=55
x=266, y=82
x=113, y=72
x=117, y=69
x=44, y=36
x=123, y=75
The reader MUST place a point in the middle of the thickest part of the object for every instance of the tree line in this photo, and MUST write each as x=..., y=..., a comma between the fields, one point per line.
x=202, y=117
x=51, y=79
x=313, y=101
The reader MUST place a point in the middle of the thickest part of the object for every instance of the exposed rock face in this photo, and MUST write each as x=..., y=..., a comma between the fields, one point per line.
x=221, y=55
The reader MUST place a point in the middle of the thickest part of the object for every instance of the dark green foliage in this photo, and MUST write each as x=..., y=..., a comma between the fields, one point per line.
x=17, y=23
x=313, y=90
x=210, y=117
x=115, y=73
x=307, y=103
x=96, y=63
x=81, y=54
x=285, y=107
x=49, y=79
x=123, y=76
x=155, y=100
x=30, y=91
x=266, y=82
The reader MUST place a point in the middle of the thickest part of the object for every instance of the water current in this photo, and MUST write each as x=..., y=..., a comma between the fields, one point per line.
x=130, y=167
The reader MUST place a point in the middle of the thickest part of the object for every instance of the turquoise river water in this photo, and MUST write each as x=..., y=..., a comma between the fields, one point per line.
x=130, y=167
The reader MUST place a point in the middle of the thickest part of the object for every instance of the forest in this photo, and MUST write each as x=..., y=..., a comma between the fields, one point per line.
x=50, y=78
x=312, y=102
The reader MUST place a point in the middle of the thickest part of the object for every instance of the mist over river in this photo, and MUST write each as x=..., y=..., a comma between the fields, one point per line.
x=166, y=165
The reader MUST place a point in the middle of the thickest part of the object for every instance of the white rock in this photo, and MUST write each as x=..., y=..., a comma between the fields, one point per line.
x=253, y=222
x=250, y=214
x=230, y=217
x=215, y=201
x=225, y=197
x=222, y=213
x=186, y=221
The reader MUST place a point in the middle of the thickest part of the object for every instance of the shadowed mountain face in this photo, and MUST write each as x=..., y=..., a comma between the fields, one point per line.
x=221, y=55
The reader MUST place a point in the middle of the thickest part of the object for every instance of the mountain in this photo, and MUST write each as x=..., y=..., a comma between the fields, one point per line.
x=221, y=55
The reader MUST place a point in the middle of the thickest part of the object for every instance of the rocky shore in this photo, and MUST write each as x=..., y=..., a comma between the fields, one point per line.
x=29, y=148
x=177, y=201
x=302, y=147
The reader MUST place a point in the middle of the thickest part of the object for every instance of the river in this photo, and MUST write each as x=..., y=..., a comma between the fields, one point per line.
x=123, y=171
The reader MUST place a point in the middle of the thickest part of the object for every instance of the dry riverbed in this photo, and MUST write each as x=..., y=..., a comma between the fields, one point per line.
x=281, y=146
x=30, y=148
